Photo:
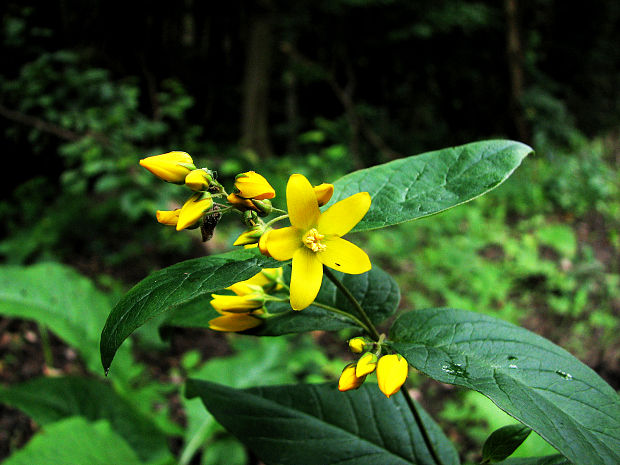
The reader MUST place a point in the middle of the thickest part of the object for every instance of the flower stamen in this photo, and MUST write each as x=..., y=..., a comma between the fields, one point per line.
x=312, y=240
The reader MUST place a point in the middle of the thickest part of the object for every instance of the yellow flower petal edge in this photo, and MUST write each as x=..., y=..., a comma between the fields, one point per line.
x=252, y=185
x=313, y=239
x=193, y=209
x=168, y=217
x=233, y=322
x=237, y=304
x=348, y=379
x=366, y=364
x=392, y=373
x=170, y=167
x=323, y=193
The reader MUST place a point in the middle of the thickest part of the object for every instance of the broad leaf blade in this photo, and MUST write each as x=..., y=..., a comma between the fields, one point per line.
x=48, y=400
x=527, y=376
x=75, y=441
x=317, y=424
x=503, y=442
x=422, y=185
x=548, y=460
x=61, y=299
x=173, y=286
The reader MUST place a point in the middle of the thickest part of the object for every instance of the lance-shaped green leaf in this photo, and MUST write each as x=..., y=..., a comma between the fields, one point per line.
x=48, y=400
x=75, y=441
x=421, y=185
x=527, y=376
x=317, y=424
x=503, y=442
x=173, y=286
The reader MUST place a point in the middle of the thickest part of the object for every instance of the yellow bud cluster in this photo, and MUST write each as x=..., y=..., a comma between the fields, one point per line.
x=392, y=371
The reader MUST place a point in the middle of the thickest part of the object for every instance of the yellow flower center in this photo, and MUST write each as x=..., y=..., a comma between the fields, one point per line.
x=312, y=240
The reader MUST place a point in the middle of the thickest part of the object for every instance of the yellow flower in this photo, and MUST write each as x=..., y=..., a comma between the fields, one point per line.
x=366, y=364
x=391, y=373
x=168, y=217
x=357, y=344
x=240, y=202
x=193, y=209
x=252, y=185
x=323, y=193
x=170, y=167
x=262, y=243
x=232, y=322
x=314, y=239
x=198, y=180
x=349, y=380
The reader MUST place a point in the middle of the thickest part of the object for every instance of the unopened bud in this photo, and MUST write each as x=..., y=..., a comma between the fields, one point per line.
x=357, y=345
x=171, y=167
x=198, y=180
x=264, y=207
x=250, y=237
x=192, y=210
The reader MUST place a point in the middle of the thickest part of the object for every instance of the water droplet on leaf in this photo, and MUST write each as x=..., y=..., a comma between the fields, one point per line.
x=563, y=374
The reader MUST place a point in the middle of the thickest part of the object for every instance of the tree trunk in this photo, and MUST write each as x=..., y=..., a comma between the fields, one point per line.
x=254, y=123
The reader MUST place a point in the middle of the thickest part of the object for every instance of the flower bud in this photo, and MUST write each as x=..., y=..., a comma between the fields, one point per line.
x=233, y=322
x=171, y=167
x=168, y=217
x=323, y=193
x=366, y=364
x=349, y=380
x=391, y=373
x=252, y=185
x=237, y=303
x=192, y=210
x=250, y=237
x=198, y=180
x=264, y=207
x=357, y=345
x=240, y=202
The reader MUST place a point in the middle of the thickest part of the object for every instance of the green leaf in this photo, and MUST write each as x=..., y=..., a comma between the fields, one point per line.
x=61, y=299
x=548, y=460
x=503, y=442
x=527, y=376
x=421, y=185
x=173, y=286
x=317, y=424
x=48, y=400
x=75, y=441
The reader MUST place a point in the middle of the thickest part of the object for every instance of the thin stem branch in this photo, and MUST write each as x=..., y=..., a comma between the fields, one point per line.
x=372, y=331
x=418, y=419
x=341, y=312
x=279, y=218
x=46, y=346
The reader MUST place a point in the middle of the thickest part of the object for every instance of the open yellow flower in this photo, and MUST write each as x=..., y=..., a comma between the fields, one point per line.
x=391, y=373
x=170, y=167
x=314, y=239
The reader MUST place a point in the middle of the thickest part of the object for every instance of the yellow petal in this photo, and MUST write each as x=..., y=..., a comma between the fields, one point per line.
x=250, y=237
x=348, y=380
x=168, y=217
x=323, y=193
x=236, y=303
x=366, y=364
x=306, y=278
x=241, y=203
x=252, y=185
x=391, y=373
x=303, y=208
x=262, y=243
x=198, y=180
x=234, y=322
x=342, y=216
x=282, y=243
x=357, y=344
x=193, y=209
x=344, y=256
x=170, y=167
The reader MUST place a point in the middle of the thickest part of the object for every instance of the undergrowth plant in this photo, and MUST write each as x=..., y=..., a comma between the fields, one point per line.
x=296, y=273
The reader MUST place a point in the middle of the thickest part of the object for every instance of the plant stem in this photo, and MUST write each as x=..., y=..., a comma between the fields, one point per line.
x=279, y=218
x=342, y=312
x=418, y=419
x=372, y=331
x=46, y=346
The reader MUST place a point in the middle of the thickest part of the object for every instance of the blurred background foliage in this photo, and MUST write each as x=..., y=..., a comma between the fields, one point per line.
x=322, y=88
